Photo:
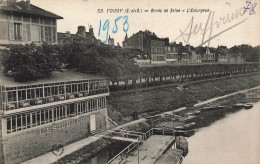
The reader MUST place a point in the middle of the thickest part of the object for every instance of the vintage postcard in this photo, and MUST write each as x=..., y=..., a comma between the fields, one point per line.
x=129, y=81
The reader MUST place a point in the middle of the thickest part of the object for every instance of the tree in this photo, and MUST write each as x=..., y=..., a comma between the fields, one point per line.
x=29, y=62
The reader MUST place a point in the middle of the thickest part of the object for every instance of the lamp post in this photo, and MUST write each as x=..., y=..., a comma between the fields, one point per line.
x=173, y=119
x=138, y=150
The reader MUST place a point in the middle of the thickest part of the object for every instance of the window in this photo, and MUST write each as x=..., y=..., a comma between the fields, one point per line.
x=17, y=31
x=48, y=34
x=35, y=19
x=54, y=35
x=33, y=119
x=74, y=88
x=35, y=33
x=80, y=87
x=47, y=21
x=26, y=18
x=22, y=94
x=61, y=89
x=30, y=94
x=42, y=34
x=68, y=88
x=47, y=91
x=11, y=96
x=53, y=21
x=17, y=17
x=39, y=92
x=19, y=122
x=9, y=125
x=27, y=121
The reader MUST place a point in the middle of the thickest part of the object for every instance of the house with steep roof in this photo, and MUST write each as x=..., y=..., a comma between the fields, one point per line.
x=24, y=23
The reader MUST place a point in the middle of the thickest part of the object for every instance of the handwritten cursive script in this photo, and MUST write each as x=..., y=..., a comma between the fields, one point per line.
x=210, y=26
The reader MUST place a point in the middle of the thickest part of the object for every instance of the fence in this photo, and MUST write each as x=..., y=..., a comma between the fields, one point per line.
x=139, y=136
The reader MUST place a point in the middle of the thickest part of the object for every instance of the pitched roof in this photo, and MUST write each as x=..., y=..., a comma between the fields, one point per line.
x=22, y=7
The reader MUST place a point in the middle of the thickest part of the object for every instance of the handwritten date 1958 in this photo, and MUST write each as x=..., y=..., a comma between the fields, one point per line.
x=105, y=26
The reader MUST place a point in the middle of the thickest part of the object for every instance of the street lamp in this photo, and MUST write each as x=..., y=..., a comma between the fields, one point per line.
x=138, y=149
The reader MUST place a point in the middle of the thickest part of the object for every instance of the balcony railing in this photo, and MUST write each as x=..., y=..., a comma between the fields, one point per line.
x=49, y=99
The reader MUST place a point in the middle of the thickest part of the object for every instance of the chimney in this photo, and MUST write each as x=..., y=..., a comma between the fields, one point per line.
x=82, y=31
x=91, y=30
x=67, y=33
x=28, y=3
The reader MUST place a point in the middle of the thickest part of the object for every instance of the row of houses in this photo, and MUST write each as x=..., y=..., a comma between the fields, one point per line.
x=23, y=23
x=160, y=50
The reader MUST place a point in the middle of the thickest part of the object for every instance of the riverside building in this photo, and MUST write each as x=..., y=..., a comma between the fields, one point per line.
x=36, y=115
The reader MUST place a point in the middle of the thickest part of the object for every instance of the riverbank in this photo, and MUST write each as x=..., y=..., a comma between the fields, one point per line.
x=121, y=106
x=205, y=118
x=232, y=140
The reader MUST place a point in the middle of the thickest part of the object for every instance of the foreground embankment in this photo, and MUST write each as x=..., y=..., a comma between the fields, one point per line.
x=121, y=106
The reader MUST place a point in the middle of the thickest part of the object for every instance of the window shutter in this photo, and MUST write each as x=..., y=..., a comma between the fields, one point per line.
x=11, y=31
x=24, y=32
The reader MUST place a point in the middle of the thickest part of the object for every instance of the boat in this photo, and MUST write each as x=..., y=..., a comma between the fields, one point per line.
x=220, y=107
x=206, y=109
x=196, y=113
x=182, y=144
x=238, y=106
x=171, y=156
x=184, y=133
x=186, y=126
x=248, y=106
x=210, y=108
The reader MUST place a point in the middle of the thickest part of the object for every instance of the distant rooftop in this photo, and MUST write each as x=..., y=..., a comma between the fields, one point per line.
x=57, y=76
x=22, y=7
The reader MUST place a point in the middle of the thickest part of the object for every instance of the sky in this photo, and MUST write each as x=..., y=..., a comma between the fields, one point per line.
x=243, y=29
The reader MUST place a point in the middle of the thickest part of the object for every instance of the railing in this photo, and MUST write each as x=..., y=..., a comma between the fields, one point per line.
x=125, y=151
x=140, y=137
x=112, y=121
x=53, y=98
x=124, y=134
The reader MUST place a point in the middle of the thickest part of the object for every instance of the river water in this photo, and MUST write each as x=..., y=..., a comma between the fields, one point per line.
x=234, y=139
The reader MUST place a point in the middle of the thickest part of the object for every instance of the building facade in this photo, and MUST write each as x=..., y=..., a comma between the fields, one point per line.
x=80, y=37
x=149, y=43
x=209, y=56
x=24, y=23
x=36, y=116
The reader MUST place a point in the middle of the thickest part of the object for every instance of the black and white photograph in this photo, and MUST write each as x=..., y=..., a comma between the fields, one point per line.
x=129, y=82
